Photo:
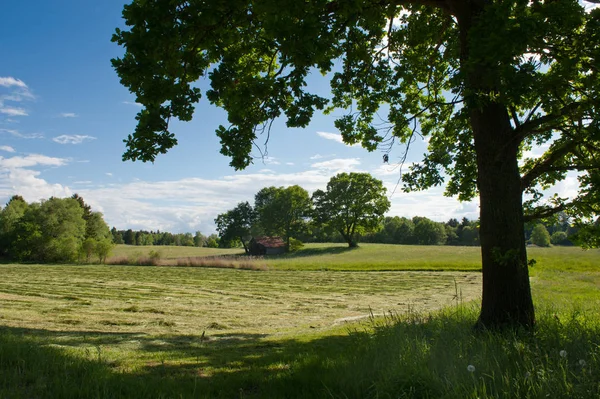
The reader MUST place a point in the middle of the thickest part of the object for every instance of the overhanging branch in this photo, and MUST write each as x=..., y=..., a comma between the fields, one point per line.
x=547, y=164
x=545, y=212
x=531, y=126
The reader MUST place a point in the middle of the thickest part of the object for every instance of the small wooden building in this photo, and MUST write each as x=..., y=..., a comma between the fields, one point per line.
x=266, y=246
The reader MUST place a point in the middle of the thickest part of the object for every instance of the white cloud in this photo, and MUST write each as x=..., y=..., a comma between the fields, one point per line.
x=588, y=5
x=14, y=90
x=331, y=136
x=338, y=164
x=26, y=182
x=335, y=137
x=132, y=103
x=68, y=115
x=6, y=148
x=319, y=156
x=10, y=81
x=30, y=161
x=289, y=163
x=108, y=174
x=72, y=139
x=270, y=161
x=13, y=111
x=20, y=135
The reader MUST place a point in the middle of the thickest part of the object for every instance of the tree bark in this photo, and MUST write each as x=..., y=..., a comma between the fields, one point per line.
x=506, y=291
x=506, y=297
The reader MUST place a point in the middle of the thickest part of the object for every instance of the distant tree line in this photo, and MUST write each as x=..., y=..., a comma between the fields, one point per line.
x=143, y=237
x=53, y=230
x=352, y=209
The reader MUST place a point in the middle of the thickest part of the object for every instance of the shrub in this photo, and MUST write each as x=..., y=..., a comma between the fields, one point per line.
x=560, y=238
x=540, y=236
x=295, y=245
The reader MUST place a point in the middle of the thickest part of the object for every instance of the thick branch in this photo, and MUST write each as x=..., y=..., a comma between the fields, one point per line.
x=530, y=126
x=545, y=212
x=546, y=165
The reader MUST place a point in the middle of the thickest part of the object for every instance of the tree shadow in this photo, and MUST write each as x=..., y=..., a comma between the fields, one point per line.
x=36, y=363
x=319, y=251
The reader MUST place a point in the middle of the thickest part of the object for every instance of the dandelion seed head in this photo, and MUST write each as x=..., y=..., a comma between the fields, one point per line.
x=563, y=353
x=470, y=368
x=582, y=362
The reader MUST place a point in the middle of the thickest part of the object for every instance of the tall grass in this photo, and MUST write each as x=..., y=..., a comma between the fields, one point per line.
x=407, y=356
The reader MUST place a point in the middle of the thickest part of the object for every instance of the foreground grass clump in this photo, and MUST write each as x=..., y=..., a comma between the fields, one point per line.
x=411, y=356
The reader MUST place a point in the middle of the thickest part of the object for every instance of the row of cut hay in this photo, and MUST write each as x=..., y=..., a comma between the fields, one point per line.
x=216, y=262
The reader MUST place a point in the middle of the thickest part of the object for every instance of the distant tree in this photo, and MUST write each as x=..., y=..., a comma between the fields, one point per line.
x=199, y=239
x=283, y=211
x=236, y=224
x=129, y=237
x=212, y=241
x=428, y=232
x=353, y=204
x=540, y=236
x=452, y=234
x=103, y=248
x=10, y=216
x=469, y=236
x=560, y=238
x=117, y=236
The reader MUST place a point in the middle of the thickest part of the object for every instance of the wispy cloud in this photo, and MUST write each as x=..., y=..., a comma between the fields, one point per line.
x=9, y=81
x=68, y=115
x=108, y=174
x=13, y=111
x=7, y=148
x=319, y=156
x=20, y=135
x=338, y=164
x=132, y=103
x=331, y=136
x=31, y=160
x=13, y=90
x=72, y=139
x=335, y=137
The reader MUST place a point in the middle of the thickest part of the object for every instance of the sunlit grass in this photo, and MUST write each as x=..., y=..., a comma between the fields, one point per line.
x=382, y=257
x=148, y=332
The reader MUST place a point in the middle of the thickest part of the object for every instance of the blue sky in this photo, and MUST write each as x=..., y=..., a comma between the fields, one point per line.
x=64, y=115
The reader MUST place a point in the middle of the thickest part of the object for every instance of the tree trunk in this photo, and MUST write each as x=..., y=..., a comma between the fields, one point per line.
x=246, y=249
x=506, y=293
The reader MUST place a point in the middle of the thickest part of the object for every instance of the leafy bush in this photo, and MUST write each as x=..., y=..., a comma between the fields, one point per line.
x=295, y=245
x=560, y=238
x=540, y=236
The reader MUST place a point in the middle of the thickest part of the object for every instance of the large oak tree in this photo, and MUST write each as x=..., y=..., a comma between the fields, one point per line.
x=484, y=80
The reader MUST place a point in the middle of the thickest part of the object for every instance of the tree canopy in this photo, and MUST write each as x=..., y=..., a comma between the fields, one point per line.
x=353, y=204
x=283, y=210
x=236, y=224
x=53, y=230
x=485, y=81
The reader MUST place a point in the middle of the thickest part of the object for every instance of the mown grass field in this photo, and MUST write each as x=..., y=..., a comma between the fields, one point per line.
x=299, y=329
x=380, y=257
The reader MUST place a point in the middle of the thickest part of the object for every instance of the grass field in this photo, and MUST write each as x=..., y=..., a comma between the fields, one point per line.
x=381, y=257
x=302, y=328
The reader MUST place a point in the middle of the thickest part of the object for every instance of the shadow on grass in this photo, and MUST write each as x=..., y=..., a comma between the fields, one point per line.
x=301, y=253
x=410, y=357
x=75, y=364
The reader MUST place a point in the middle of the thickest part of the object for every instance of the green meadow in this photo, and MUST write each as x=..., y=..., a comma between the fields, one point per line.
x=378, y=321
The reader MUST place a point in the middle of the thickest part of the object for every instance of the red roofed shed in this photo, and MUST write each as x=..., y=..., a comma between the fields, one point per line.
x=266, y=246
